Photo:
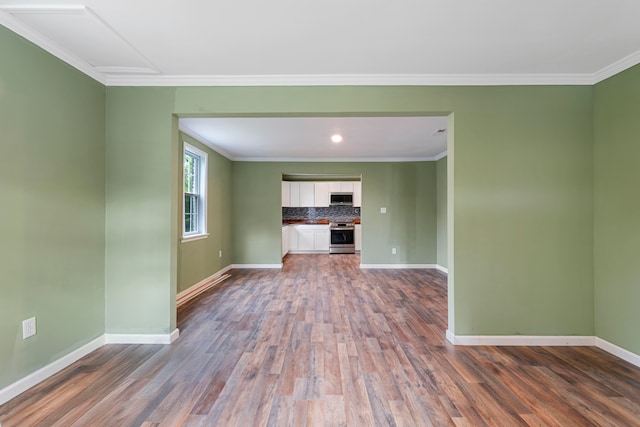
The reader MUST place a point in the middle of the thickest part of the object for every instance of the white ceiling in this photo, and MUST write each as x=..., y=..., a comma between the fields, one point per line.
x=309, y=138
x=251, y=42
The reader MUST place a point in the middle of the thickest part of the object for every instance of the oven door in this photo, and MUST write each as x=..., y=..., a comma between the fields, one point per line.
x=342, y=240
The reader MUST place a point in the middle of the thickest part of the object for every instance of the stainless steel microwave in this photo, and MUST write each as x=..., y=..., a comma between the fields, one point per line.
x=341, y=199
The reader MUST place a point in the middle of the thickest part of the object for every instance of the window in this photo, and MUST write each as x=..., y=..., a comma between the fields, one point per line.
x=194, y=224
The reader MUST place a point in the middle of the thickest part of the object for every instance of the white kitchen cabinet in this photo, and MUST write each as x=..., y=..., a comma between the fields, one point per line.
x=285, y=240
x=305, y=238
x=309, y=238
x=321, y=239
x=286, y=194
x=293, y=238
x=335, y=187
x=346, y=187
x=294, y=194
x=358, y=237
x=307, y=194
x=321, y=194
x=357, y=194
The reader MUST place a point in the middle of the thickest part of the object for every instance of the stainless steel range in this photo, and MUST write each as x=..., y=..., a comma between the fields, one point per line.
x=342, y=238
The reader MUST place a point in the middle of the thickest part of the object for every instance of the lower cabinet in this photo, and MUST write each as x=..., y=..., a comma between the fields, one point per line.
x=357, y=236
x=285, y=240
x=308, y=238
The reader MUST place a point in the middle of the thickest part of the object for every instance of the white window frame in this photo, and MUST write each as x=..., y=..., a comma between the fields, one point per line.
x=201, y=232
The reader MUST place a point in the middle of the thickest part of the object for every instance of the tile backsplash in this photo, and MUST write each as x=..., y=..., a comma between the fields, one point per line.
x=332, y=213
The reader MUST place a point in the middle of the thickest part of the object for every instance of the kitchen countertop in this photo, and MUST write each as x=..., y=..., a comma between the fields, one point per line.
x=310, y=221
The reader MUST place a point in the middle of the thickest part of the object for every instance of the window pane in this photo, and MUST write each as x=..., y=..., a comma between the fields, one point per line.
x=191, y=168
x=194, y=179
x=190, y=213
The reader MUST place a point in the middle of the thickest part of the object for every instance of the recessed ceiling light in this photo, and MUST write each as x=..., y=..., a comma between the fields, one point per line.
x=336, y=138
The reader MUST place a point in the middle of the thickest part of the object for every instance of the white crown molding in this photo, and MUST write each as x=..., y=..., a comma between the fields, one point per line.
x=43, y=42
x=440, y=156
x=355, y=80
x=202, y=140
x=617, y=67
x=127, y=70
x=334, y=159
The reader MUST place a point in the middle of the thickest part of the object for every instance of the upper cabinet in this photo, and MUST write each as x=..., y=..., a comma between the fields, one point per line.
x=294, y=194
x=357, y=194
x=321, y=194
x=307, y=194
x=317, y=194
x=286, y=194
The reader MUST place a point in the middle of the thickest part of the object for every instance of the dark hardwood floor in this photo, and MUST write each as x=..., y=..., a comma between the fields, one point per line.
x=324, y=343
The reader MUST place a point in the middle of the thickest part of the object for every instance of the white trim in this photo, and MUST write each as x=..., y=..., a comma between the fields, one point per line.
x=192, y=237
x=354, y=80
x=617, y=67
x=520, y=340
x=441, y=268
x=141, y=338
x=203, y=192
x=241, y=266
x=334, y=159
x=399, y=266
x=450, y=337
x=202, y=140
x=300, y=252
x=440, y=156
x=620, y=352
x=202, y=286
x=20, y=28
x=23, y=384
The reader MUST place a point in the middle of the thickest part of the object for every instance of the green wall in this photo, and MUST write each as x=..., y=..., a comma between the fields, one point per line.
x=441, y=213
x=617, y=209
x=141, y=215
x=523, y=200
x=52, y=211
x=198, y=259
x=406, y=189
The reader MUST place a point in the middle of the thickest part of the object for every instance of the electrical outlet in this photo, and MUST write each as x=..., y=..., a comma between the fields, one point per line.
x=394, y=251
x=220, y=253
x=28, y=328
x=383, y=210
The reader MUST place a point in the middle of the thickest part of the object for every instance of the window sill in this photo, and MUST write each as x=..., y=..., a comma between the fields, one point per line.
x=186, y=239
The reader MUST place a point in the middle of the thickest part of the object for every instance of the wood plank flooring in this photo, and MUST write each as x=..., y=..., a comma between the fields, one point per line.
x=324, y=343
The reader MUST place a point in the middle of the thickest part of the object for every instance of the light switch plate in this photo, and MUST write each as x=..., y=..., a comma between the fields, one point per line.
x=383, y=210
x=28, y=328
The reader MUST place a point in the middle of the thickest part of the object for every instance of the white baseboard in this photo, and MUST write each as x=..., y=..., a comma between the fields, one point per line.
x=22, y=385
x=240, y=266
x=520, y=340
x=400, y=266
x=450, y=337
x=620, y=352
x=141, y=338
x=202, y=286
x=441, y=268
